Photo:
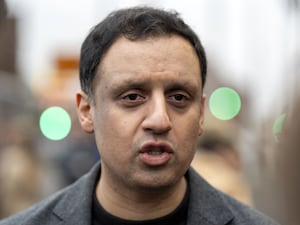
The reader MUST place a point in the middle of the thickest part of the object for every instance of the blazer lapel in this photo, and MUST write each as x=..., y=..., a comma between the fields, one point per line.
x=206, y=207
x=76, y=206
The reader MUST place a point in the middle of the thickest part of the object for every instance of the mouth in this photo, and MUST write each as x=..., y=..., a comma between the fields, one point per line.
x=156, y=153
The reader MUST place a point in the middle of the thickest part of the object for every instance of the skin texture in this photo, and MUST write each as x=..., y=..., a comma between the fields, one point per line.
x=147, y=97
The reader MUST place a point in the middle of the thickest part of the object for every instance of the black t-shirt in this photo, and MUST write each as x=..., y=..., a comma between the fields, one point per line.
x=178, y=217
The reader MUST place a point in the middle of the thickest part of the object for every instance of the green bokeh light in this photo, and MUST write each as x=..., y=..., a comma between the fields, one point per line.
x=278, y=125
x=225, y=103
x=55, y=123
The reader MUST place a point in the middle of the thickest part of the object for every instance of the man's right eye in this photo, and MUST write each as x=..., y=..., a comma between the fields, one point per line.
x=132, y=99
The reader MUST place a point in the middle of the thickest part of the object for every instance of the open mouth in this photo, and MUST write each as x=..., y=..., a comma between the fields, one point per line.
x=155, y=151
x=155, y=154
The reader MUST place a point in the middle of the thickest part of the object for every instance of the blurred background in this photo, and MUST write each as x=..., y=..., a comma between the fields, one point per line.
x=253, y=47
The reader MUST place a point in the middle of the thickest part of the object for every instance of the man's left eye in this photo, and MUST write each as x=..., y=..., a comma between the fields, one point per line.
x=132, y=97
x=179, y=100
x=178, y=97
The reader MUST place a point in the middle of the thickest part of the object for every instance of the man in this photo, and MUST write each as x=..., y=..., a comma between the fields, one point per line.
x=142, y=72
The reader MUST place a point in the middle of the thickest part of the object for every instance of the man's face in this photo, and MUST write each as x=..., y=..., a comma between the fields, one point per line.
x=147, y=111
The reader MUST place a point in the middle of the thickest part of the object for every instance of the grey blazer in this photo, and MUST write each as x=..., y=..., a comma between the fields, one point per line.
x=72, y=206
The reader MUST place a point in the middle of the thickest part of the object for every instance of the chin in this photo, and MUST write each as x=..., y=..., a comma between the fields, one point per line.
x=158, y=182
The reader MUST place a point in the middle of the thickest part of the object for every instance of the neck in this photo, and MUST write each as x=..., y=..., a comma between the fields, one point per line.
x=131, y=204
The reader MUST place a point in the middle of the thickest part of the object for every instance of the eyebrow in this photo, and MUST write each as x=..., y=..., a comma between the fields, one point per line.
x=131, y=84
x=145, y=85
x=137, y=82
x=174, y=85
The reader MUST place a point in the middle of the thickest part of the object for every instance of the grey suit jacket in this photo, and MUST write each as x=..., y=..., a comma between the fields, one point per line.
x=72, y=206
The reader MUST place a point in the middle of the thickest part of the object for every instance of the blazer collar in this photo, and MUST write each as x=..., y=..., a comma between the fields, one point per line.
x=75, y=207
x=206, y=206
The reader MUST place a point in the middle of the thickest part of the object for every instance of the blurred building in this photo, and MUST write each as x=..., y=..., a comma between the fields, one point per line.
x=19, y=163
x=77, y=153
x=7, y=41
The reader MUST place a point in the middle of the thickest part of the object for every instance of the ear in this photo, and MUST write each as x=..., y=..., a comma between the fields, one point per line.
x=202, y=113
x=84, y=112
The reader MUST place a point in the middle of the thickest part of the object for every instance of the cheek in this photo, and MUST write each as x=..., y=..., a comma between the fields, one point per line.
x=187, y=127
x=187, y=136
x=115, y=132
x=109, y=123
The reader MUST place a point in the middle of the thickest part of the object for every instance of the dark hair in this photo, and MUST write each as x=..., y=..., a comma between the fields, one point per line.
x=133, y=23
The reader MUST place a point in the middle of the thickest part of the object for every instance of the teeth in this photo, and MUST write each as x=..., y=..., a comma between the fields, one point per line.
x=154, y=153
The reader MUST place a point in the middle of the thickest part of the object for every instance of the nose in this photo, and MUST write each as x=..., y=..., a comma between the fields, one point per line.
x=157, y=119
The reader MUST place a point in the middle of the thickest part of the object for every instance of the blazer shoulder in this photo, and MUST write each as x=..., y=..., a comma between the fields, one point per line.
x=244, y=214
x=213, y=205
x=67, y=204
x=37, y=213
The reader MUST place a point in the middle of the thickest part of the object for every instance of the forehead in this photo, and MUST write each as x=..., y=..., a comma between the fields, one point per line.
x=155, y=57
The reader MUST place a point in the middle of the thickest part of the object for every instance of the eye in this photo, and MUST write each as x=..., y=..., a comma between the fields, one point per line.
x=179, y=99
x=132, y=99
